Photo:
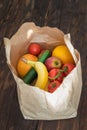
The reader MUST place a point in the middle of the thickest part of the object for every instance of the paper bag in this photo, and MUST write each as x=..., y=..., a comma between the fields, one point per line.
x=34, y=102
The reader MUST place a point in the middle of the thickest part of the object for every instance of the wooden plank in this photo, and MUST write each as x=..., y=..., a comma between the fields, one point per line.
x=74, y=19
x=10, y=115
x=72, y=22
x=6, y=97
x=69, y=16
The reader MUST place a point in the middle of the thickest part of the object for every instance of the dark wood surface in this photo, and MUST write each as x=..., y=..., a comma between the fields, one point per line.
x=69, y=16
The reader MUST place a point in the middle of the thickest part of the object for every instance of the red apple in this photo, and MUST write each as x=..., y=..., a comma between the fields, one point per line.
x=53, y=62
x=56, y=74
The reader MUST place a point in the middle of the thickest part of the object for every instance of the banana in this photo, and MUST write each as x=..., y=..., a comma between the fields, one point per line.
x=42, y=78
x=42, y=73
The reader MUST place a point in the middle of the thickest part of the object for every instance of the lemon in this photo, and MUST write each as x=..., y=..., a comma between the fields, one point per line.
x=63, y=53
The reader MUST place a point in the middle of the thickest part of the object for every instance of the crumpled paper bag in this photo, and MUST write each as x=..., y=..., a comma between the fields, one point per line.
x=34, y=102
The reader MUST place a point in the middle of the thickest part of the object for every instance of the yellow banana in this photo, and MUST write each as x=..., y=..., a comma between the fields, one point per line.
x=42, y=73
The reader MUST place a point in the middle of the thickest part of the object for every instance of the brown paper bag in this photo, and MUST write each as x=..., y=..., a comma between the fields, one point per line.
x=34, y=102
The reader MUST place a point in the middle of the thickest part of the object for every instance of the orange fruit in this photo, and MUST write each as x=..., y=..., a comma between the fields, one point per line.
x=23, y=68
x=63, y=53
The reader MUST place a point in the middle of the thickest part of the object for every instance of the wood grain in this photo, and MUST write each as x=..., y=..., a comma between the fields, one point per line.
x=71, y=17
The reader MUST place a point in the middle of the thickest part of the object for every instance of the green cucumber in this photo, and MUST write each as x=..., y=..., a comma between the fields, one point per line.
x=32, y=74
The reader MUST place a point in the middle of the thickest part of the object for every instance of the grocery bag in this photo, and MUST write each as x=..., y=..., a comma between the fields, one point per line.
x=35, y=103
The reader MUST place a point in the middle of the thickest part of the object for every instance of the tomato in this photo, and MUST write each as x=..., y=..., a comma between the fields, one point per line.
x=34, y=49
x=56, y=74
x=68, y=67
x=53, y=86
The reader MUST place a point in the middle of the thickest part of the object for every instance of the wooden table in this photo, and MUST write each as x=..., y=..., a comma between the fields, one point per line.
x=71, y=17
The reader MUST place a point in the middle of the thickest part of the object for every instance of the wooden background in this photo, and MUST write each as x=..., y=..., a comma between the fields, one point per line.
x=69, y=16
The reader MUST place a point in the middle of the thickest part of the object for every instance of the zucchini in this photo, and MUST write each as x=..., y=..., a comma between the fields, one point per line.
x=32, y=74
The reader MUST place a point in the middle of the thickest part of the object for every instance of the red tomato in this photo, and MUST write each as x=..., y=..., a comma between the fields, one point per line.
x=68, y=67
x=34, y=49
x=56, y=74
x=53, y=86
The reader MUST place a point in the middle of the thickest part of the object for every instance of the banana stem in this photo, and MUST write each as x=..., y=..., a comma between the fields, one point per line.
x=32, y=63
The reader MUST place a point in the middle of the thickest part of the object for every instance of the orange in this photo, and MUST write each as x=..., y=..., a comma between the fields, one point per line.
x=63, y=53
x=23, y=68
